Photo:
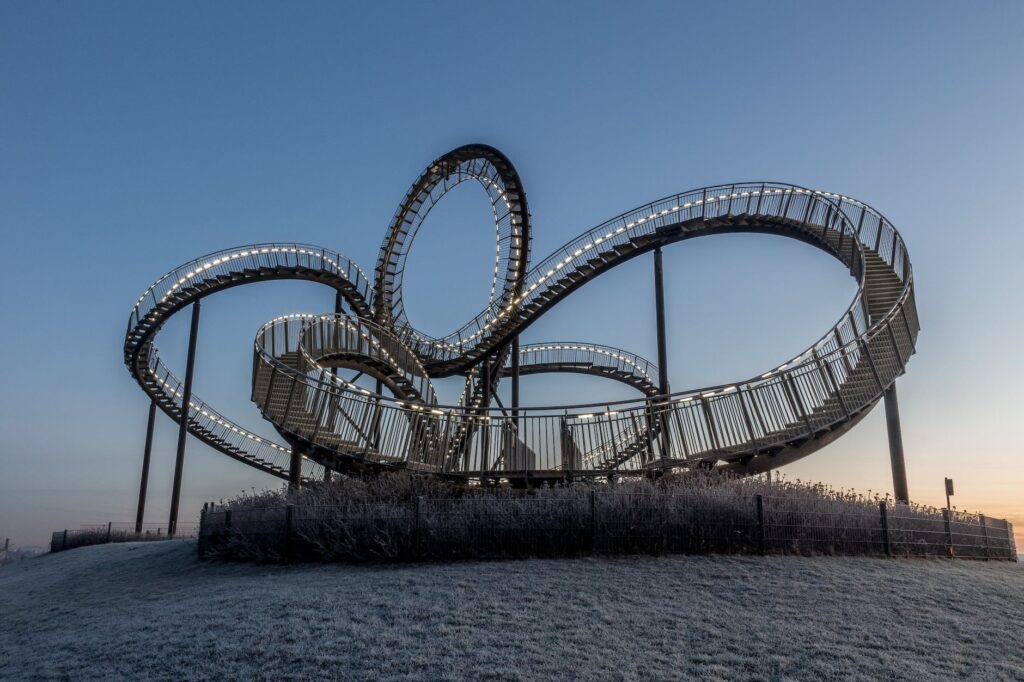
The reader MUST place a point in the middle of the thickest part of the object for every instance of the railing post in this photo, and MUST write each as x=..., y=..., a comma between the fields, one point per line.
x=885, y=528
x=64, y=540
x=984, y=535
x=950, y=552
x=762, y=541
x=186, y=398
x=110, y=524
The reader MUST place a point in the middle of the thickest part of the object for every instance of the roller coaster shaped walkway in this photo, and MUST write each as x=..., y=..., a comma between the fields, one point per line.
x=331, y=424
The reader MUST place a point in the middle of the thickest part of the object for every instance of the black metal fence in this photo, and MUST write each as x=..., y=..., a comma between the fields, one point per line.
x=596, y=523
x=104, y=533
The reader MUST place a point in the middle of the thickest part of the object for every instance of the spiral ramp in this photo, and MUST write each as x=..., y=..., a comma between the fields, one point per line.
x=750, y=426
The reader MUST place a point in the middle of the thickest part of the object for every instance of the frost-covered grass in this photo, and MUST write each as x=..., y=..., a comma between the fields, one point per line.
x=153, y=611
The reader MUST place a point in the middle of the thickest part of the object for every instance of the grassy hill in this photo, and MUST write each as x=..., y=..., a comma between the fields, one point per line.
x=152, y=611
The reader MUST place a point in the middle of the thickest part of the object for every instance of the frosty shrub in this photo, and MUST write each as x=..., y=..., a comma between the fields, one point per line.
x=399, y=517
x=98, y=536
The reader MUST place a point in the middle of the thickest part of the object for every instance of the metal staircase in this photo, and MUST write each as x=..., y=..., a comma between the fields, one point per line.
x=752, y=425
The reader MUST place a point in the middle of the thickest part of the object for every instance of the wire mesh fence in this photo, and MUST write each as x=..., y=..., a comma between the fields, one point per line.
x=103, y=533
x=595, y=523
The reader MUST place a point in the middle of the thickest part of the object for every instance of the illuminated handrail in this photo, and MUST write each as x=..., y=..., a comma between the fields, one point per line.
x=827, y=387
x=798, y=398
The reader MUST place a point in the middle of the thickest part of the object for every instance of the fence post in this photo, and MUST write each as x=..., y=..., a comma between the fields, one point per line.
x=949, y=534
x=885, y=528
x=762, y=538
x=227, y=528
x=109, y=526
x=289, y=510
x=984, y=535
x=64, y=541
x=417, y=542
x=593, y=521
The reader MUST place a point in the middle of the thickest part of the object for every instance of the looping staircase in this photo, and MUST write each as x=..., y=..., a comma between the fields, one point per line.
x=752, y=425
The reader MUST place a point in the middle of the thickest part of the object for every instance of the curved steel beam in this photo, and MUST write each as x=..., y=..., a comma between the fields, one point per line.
x=753, y=424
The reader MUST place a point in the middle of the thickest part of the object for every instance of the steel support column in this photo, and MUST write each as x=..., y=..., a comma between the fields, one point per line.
x=295, y=468
x=659, y=304
x=486, y=379
x=186, y=399
x=899, y=468
x=663, y=388
x=334, y=370
x=515, y=378
x=379, y=388
x=145, y=466
x=485, y=425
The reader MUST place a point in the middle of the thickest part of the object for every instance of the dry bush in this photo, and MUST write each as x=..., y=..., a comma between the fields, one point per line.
x=98, y=536
x=399, y=517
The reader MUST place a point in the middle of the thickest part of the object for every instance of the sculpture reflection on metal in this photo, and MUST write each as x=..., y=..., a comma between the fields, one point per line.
x=751, y=425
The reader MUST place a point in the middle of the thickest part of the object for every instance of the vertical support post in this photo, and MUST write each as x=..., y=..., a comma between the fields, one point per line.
x=186, y=399
x=899, y=467
x=659, y=304
x=762, y=540
x=486, y=378
x=984, y=535
x=949, y=533
x=885, y=528
x=334, y=370
x=515, y=379
x=417, y=539
x=295, y=468
x=379, y=388
x=141, y=511
x=110, y=525
x=593, y=521
x=663, y=388
x=485, y=424
x=64, y=540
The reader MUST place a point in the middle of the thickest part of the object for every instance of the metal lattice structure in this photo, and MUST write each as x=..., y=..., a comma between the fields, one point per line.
x=751, y=425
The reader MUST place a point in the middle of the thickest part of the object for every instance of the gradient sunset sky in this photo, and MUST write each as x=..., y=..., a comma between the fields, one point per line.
x=136, y=136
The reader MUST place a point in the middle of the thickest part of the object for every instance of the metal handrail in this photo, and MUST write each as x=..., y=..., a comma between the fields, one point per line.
x=800, y=392
x=828, y=385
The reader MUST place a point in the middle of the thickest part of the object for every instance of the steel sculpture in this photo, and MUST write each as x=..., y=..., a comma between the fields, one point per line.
x=330, y=424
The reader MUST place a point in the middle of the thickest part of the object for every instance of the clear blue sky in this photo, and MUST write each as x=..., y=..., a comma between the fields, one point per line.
x=135, y=136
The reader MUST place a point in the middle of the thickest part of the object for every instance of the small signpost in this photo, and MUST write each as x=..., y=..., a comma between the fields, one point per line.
x=949, y=491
